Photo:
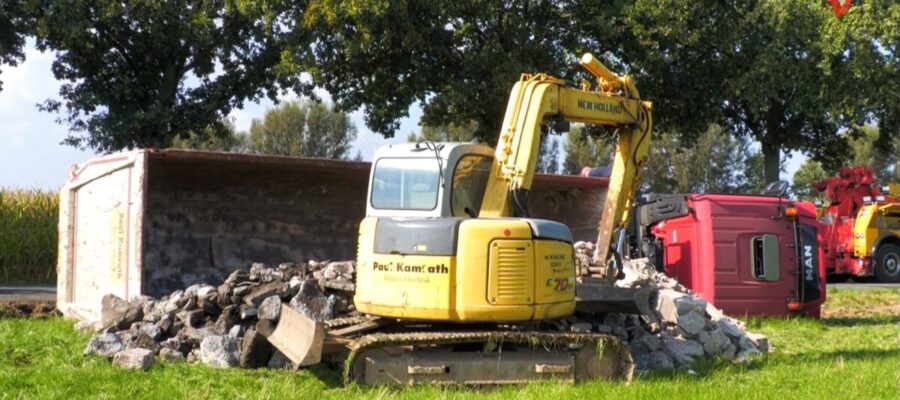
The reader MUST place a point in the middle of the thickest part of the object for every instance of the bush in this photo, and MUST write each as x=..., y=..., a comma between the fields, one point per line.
x=28, y=238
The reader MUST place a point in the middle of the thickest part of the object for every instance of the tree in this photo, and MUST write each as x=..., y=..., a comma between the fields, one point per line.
x=231, y=141
x=716, y=163
x=453, y=132
x=583, y=149
x=548, y=155
x=457, y=58
x=138, y=73
x=811, y=171
x=308, y=129
x=786, y=73
x=882, y=159
x=12, y=33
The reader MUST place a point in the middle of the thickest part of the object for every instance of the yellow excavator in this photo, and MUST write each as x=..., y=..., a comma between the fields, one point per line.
x=458, y=281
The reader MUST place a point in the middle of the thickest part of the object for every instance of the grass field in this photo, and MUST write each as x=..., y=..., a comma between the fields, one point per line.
x=28, y=220
x=852, y=353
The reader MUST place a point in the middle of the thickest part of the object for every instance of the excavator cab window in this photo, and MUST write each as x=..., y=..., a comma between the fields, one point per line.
x=405, y=184
x=469, y=181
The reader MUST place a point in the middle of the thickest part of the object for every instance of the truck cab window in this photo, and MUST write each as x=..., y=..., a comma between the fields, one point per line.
x=764, y=258
x=469, y=181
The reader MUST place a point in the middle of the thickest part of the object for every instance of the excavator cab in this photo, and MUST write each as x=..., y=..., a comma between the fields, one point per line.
x=425, y=255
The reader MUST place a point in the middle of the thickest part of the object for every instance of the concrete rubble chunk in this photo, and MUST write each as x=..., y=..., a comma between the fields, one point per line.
x=760, y=341
x=653, y=361
x=311, y=301
x=270, y=308
x=714, y=342
x=171, y=356
x=136, y=358
x=732, y=327
x=118, y=314
x=104, y=344
x=219, y=351
x=691, y=323
x=256, y=295
x=682, y=350
x=256, y=351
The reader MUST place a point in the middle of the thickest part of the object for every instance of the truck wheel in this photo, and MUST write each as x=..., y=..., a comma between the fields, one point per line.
x=887, y=263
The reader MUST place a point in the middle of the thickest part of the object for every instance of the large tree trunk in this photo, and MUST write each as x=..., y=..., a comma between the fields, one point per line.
x=771, y=160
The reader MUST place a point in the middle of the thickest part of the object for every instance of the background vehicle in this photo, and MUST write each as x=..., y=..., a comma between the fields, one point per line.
x=861, y=227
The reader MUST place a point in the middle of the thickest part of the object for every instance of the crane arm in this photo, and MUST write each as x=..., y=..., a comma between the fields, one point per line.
x=536, y=98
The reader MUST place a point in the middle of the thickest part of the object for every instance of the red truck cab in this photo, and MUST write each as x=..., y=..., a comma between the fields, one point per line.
x=747, y=255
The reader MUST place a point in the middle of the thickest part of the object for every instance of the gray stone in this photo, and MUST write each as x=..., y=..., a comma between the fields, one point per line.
x=151, y=330
x=219, y=351
x=141, y=341
x=118, y=314
x=256, y=296
x=280, y=361
x=645, y=344
x=761, y=341
x=312, y=302
x=732, y=327
x=241, y=291
x=104, y=344
x=340, y=284
x=729, y=350
x=136, y=358
x=665, y=305
x=192, y=318
x=691, y=323
x=744, y=343
x=747, y=355
x=230, y=316
x=682, y=350
x=235, y=331
x=256, y=351
x=714, y=341
x=171, y=356
x=248, y=312
x=653, y=361
x=581, y=327
x=270, y=308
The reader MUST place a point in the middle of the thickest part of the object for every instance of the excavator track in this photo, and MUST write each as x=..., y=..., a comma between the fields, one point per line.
x=485, y=357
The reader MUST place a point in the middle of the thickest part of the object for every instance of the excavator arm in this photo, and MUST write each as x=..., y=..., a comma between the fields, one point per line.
x=535, y=99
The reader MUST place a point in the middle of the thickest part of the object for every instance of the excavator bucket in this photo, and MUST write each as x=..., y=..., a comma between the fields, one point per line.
x=298, y=337
x=594, y=295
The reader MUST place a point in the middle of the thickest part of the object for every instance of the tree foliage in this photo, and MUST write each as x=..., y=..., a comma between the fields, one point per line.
x=583, y=149
x=308, y=129
x=13, y=29
x=785, y=73
x=453, y=132
x=548, y=155
x=881, y=157
x=227, y=140
x=137, y=73
x=811, y=171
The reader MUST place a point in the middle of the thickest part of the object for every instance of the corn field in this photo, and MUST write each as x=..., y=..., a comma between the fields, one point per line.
x=28, y=220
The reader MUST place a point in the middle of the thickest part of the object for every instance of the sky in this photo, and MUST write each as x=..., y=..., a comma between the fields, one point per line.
x=31, y=155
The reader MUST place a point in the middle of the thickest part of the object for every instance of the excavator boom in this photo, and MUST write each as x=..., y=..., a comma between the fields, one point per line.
x=537, y=98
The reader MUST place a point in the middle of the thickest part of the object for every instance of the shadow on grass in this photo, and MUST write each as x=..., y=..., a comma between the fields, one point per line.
x=861, y=321
x=330, y=375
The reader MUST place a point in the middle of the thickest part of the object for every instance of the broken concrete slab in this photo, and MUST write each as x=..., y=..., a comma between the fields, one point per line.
x=136, y=358
x=219, y=351
x=118, y=314
x=256, y=351
x=104, y=344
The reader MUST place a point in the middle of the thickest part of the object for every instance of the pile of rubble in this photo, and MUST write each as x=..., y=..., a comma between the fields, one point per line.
x=218, y=325
x=228, y=325
x=691, y=327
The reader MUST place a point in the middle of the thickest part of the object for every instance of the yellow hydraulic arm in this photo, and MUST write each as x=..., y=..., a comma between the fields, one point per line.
x=614, y=101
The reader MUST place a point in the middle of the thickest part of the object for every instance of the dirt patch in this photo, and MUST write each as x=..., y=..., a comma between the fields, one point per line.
x=28, y=309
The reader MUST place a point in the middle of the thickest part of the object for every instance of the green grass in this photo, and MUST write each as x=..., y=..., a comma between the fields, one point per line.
x=853, y=353
x=28, y=221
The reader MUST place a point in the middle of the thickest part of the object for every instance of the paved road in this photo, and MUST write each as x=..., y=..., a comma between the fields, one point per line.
x=27, y=292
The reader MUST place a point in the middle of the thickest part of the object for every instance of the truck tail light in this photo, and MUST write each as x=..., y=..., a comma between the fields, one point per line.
x=794, y=306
